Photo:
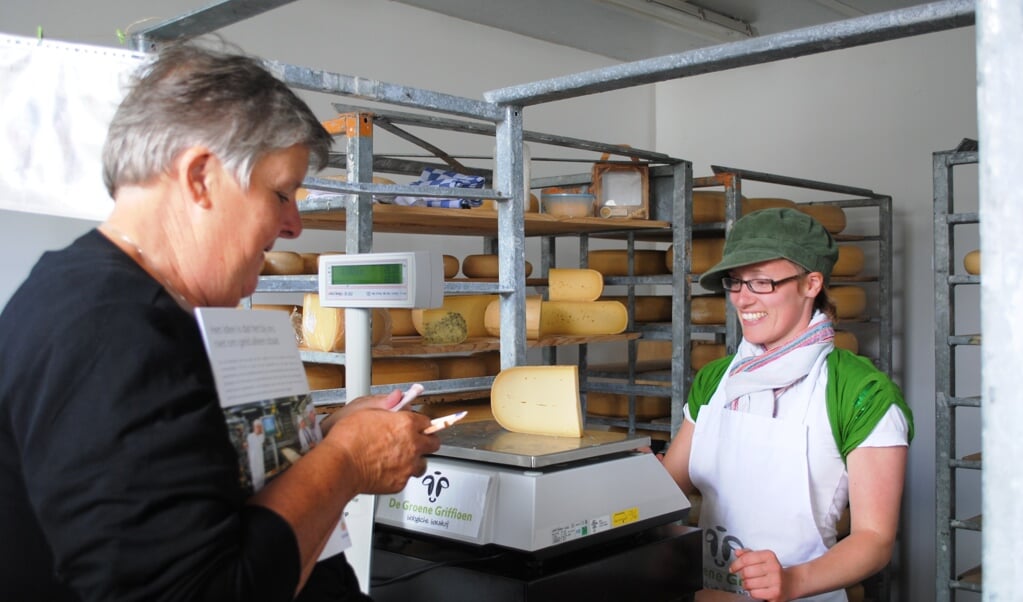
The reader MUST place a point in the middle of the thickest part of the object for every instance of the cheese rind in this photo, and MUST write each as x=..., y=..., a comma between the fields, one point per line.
x=850, y=301
x=972, y=262
x=281, y=263
x=832, y=217
x=613, y=262
x=441, y=326
x=707, y=252
x=323, y=328
x=450, y=266
x=534, y=306
x=582, y=318
x=581, y=284
x=485, y=266
x=850, y=261
x=538, y=400
x=473, y=309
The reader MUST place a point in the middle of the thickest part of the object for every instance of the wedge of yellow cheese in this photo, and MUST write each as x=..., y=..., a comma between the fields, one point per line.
x=538, y=400
x=583, y=284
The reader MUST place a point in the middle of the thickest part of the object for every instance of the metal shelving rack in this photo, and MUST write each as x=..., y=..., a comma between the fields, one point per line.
x=948, y=400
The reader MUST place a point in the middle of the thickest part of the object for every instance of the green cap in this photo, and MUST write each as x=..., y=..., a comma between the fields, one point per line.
x=775, y=234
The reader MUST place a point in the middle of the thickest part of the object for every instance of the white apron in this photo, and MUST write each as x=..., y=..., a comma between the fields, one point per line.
x=739, y=462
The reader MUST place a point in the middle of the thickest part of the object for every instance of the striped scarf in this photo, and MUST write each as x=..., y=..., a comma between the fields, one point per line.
x=759, y=377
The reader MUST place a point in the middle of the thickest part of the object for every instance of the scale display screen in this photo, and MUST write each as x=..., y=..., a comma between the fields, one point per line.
x=362, y=280
x=375, y=274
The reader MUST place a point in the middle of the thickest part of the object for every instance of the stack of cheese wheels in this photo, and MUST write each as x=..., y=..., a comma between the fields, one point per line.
x=709, y=205
x=538, y=400
x=850, y=301
x=832, y=217
x=282, y=263
x=646, y=308
x=972, y=262
x=574, y=308
x=323, y=328
x=616, y=405
x=707, y=252
x=471, y=308
x=324, y=376
x=850, y=261
x=615, y=262
x=485, y=266
x=847, y=340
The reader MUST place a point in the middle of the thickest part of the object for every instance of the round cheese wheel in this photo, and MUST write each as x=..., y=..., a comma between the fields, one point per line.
x=648, y=308
x=574, y=284
x=310, y=263
x=393, y=370
x=492, y=318
x=616, y=405
x=582, y=318
x=440, y=326
x=323, y=328
x=850, y=301
x=702, y=353
x=847, y=340
x=972, y=262
x=707, y=309
x=450, y=266
x=707, y=252
x=324, y=376
x=485, y=266
x=653, y=350
x=470, y=366
x=401, y=322
x=850, y=261
x=615, y=262
x=758, y=203
x=708, y=206
x=832, y=217
x=281, y=263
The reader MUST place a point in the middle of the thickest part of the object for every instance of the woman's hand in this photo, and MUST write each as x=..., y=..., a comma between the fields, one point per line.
x=762, y=575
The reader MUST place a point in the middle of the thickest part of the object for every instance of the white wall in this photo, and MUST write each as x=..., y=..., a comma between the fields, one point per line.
x=386, y=41
x=867, y=117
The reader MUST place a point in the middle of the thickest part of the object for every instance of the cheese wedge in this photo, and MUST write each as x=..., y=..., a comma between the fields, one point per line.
x=323, y=328
x=582, y=318
x=492, y=317
x=538, y=400
x=574, y=284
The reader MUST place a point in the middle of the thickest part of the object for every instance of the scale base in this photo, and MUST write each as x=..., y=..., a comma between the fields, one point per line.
x=660, y=564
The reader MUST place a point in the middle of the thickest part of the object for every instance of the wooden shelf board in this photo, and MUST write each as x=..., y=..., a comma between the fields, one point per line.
x=467, y=222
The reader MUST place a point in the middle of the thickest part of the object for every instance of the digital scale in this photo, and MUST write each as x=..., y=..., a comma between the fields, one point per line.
x=552, y=508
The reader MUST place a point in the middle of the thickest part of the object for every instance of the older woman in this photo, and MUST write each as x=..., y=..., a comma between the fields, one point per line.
x=118, y=480
x=781, y=436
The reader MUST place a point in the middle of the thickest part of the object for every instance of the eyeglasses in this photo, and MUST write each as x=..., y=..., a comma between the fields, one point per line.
x=760, y=286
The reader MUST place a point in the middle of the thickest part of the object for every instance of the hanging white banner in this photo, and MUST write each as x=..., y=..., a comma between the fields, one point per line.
x=56, y=101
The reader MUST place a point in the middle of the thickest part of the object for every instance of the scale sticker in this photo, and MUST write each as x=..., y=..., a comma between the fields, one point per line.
x=446, y=499
x=624, y=517
x=580, y=529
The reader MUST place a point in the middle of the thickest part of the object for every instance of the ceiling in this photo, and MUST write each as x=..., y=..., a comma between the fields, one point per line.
x=628, y=30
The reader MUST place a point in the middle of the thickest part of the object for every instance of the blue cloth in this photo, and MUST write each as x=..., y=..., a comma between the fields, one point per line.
x=444, y=179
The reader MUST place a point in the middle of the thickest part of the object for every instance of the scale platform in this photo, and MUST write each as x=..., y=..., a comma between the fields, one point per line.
x=538, y=494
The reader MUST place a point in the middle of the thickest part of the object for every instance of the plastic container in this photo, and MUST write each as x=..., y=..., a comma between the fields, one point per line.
x=567, y=204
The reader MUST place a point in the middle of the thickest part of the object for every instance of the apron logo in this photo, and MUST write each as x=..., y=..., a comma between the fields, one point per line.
x=435, y=484
x=721, y=548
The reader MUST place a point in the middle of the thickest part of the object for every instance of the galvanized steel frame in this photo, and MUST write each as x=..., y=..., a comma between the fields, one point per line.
x=947, y=399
